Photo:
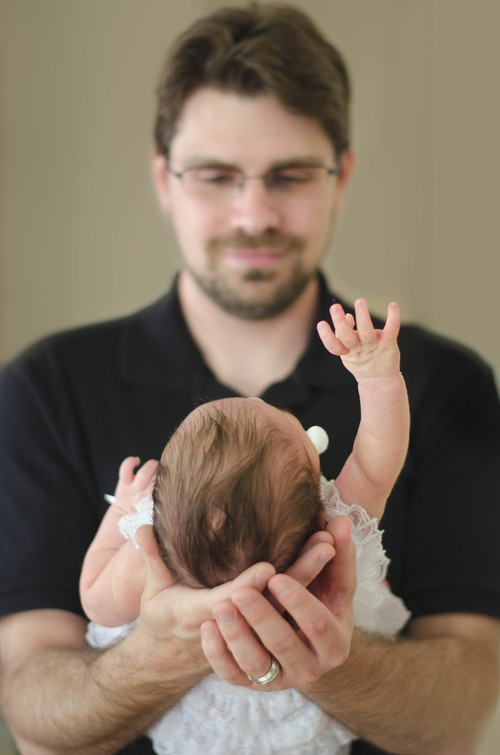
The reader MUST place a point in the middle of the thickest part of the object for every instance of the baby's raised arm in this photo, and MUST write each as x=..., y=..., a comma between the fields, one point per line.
x=381, y=443
x=113, y=573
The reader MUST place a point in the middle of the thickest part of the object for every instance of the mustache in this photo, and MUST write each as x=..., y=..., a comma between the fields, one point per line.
x=269, y=240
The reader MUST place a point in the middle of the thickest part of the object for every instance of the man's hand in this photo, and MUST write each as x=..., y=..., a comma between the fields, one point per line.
x=168, y=608
x=248, y=629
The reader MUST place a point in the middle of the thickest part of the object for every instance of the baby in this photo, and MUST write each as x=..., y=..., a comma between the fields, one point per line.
x=239, y=482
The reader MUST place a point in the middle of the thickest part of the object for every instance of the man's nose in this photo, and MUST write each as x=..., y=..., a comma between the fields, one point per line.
x=255, y=209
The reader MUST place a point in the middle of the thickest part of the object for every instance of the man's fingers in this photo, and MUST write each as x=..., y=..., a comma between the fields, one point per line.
x=158, y=577
x=256, y=576
x=317, y=552
x=196, y=605
x=336, y=585
x=252, y=630
x=219, y=656
x=322, y=642
x=327, y=635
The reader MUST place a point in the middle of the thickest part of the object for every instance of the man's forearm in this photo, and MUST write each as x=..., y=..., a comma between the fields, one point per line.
x=60, y=697
x=65, y=700
x=411, y=696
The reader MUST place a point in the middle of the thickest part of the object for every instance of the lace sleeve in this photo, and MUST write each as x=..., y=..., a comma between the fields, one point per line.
x=376, y=608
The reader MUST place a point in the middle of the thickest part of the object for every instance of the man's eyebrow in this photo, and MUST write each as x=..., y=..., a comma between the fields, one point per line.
x=308, y=161
x=198, y=162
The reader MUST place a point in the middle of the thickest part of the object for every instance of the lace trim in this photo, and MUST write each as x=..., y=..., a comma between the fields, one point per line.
x=130, y=523
x=375, y=607
x=215, y=716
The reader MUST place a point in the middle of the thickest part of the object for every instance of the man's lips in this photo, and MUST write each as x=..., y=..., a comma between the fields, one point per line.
x=258, y=252
x=252, y=257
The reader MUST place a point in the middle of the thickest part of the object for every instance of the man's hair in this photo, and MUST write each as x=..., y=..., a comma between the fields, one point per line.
x=232, y=490
x=261, y=49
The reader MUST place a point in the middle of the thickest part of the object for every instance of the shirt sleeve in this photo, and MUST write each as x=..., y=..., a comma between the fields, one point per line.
x=46, y=519
x=447, y=501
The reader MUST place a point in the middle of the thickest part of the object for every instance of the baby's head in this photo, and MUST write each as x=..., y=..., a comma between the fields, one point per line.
x=237, y=483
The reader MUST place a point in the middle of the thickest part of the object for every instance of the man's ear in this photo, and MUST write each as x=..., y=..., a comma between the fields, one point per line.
x=346, y=168
x=160, y=180
x=344, y=176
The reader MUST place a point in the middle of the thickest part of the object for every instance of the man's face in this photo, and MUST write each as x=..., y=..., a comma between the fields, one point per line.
x=255, y=251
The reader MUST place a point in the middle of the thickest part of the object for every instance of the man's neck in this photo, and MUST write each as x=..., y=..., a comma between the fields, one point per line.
x=248, y=355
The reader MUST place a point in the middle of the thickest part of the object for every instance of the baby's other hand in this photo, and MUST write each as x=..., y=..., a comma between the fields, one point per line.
x=132, y=486
x=366, y=351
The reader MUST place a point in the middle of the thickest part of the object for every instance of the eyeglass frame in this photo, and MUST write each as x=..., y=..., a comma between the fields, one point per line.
x=246, y=177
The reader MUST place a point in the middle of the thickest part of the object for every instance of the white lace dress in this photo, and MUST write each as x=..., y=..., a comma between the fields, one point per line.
x=217, y=717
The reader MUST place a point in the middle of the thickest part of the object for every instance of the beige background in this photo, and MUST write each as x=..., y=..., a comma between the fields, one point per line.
x=82, y=239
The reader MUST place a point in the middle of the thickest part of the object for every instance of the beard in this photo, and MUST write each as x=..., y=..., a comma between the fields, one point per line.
x=255, y=293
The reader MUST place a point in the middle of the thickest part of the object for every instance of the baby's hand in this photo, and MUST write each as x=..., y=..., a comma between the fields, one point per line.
x=366, y=352
x=134, y=486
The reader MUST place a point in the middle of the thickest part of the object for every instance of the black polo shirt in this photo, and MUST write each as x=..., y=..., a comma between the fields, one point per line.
x=73, y=406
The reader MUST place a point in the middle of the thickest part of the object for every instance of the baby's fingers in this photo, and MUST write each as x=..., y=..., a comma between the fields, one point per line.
x=126, y=471
x=344, y=338
x=145, y=477
x=344, y=327
x=393, y=322
x=364, y=326
x=330, y=340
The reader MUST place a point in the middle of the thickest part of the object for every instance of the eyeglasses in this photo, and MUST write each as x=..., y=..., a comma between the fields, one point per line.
x=225, y=184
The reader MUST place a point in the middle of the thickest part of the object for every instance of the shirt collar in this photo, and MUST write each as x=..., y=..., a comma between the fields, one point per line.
x=156, y=347
x=157, y=350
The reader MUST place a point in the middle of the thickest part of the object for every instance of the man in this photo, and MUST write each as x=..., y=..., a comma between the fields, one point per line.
x=252, y=162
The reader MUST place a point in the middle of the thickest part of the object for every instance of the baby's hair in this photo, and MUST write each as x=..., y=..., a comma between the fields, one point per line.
x=232, y=489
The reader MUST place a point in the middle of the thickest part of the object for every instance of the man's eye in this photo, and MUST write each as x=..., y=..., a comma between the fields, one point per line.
x=289, y=177
x=217, y=177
